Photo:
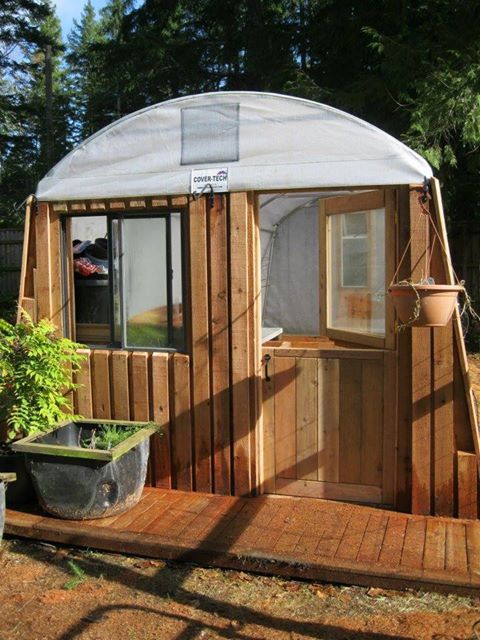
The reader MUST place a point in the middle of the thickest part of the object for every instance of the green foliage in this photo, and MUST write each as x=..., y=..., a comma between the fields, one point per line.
x=35, y=378
x=412, y=68
x=79, y=576
x=29, y=141
x=107, y=436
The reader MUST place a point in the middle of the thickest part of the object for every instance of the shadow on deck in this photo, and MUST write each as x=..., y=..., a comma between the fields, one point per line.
x=281, y=536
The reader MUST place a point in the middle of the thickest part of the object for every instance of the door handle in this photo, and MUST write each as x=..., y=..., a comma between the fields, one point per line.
x=266, y=359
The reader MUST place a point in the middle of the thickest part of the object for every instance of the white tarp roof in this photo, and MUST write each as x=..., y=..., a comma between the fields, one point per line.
x=266, y=141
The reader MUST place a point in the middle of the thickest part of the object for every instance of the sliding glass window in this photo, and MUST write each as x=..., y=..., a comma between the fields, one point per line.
x=126, y=276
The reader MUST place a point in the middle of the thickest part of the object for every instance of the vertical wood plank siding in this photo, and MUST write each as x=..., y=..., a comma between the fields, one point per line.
x=200, y=333
x=421, y=369
x=441, y=473
x=206, y=401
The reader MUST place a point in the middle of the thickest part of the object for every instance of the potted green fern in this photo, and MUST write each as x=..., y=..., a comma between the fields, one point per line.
x=36, y=367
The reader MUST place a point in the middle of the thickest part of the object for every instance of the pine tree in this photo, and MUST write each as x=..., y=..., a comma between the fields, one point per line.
x=34, y=128
x=84, y=75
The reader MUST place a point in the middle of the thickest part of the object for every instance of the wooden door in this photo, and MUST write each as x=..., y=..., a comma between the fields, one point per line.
x=329, y=424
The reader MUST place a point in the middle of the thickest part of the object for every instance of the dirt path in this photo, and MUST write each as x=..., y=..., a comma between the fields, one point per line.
x=57, y=593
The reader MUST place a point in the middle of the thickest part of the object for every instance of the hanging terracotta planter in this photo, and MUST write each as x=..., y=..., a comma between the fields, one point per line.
x=424, y=305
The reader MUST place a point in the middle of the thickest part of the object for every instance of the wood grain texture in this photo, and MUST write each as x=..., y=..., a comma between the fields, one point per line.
x=120, y=385
x=403, y=471
x=139, y=391
x=83, y=393
x=328, y=419
x=351, y=421
x=100, y=375
x=161, y=443
x=390, y=422
x=465, y=399
x=371, y=464
x=182, y=424
x=256, y=333
x=467, y=485
x=220, y=357
x=443, y=397
x=444, y=453
x=348, y=544
x=421, y=371
x=200, y=334
x=306, y=384
x=56, y=254
x=285, y=417
x=25, y=290
x=355, y=202
x=254, y=338
x=43, y=293
x=240, y=365
x=329, y=490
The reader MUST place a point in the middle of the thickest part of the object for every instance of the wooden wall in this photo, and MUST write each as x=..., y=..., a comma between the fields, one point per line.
x=436, y=416
x=207, y=399
x=225, y=298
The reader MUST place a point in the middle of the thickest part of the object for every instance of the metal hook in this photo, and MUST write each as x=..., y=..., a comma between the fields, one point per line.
x=425, y=190
x=198, y=194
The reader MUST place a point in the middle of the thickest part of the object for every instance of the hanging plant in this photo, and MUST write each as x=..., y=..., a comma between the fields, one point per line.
x=425, y=303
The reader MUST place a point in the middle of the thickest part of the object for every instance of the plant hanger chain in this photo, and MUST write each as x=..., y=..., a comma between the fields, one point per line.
x=422, y=198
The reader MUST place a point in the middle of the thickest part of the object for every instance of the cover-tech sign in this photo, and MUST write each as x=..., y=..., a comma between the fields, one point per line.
x=201, y=179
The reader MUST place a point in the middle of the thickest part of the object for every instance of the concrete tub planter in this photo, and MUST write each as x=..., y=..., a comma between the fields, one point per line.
x=4, y=479
x=78, y=483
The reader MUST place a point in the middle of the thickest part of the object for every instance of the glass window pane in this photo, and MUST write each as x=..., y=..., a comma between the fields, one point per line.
x=91, y=279
x=177, y=280
x=116, y=282
x=355, y=262
x=357, y=272
x=355, y=224
x=144, y=266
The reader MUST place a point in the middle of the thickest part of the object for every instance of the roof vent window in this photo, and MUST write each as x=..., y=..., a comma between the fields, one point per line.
x=210, y=134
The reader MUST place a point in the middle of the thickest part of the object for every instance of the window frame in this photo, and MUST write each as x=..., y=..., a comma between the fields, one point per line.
x=362, y=201
x=68, y=286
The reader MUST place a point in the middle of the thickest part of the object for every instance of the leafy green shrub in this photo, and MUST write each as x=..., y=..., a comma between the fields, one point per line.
x=35, y=376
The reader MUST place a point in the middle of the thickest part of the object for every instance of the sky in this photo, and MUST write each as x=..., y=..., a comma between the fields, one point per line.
x=70, y=10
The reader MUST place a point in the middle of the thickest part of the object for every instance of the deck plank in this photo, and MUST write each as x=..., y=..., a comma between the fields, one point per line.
x=456, y=547
x=414, y=544
x=392, y=546
x=434, y=556
x=371, y=546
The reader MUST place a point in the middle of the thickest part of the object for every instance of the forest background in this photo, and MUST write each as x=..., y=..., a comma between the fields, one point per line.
x=411, y=67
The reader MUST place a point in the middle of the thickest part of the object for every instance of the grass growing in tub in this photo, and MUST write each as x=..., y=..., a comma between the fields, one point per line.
x=107, y=436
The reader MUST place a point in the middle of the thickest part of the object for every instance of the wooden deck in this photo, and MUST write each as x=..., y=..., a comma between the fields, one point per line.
x=296, y=537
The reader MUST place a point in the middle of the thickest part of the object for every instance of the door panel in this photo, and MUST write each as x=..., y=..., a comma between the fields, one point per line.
x=327, y=430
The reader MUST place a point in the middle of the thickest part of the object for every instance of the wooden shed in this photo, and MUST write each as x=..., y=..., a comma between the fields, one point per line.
x=225, y=258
